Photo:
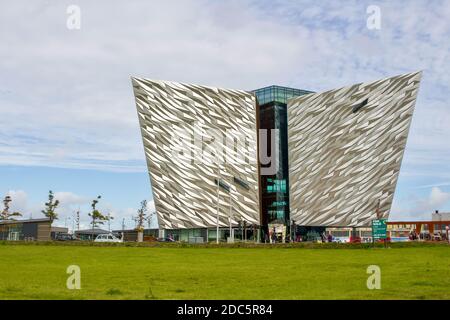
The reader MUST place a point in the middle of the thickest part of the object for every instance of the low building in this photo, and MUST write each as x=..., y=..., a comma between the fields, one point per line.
x=427, y=230
x=26, y=230
x=55, y=231
x=397, y=231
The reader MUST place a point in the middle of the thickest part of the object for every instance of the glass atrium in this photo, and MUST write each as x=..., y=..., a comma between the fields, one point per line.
x=275, y=218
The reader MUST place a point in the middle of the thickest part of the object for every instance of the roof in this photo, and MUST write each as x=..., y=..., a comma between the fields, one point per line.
x=281, y=88
x=60, y=229
x=24, y=221
x=133, y=230
x=92, y=231
x=277, y=94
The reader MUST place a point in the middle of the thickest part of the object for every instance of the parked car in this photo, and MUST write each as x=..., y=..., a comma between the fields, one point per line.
x=150, y=239
x=356, y=239
x=108, y=237
x=65, y=237
x=436, y=237
x=387, y=240
x=341, y=239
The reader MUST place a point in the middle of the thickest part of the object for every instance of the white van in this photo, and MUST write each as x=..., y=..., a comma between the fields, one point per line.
x=109, y=237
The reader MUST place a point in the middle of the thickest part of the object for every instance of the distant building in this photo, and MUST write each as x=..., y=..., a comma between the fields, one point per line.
x=55, y=231
x=440, y=216
x=23, y=230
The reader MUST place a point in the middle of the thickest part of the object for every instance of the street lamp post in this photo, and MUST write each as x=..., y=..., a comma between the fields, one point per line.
x=65, y=221
x=73, y=224
x=231, y=212
x=293, y=231
x=78, y=219
x=218, y=199
x=440, y=221
x=123, y=228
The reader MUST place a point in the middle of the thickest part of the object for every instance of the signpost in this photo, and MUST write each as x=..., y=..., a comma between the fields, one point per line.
x=379, y=230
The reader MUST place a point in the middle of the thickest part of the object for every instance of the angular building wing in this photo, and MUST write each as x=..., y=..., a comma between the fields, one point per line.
x=200, y=145
x=345, y=151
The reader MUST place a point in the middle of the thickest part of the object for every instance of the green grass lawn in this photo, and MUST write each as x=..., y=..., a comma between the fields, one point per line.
x=39, y=272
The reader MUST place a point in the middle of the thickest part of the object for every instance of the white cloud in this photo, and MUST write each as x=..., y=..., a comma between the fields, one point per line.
x=70, y=198
x=19, y=201
x=440, y=184
x=420, y=208
x=67, y=99
x=436, y=199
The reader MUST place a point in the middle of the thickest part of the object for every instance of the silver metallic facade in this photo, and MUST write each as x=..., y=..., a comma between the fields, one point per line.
x=345, y=150
x=195, y=136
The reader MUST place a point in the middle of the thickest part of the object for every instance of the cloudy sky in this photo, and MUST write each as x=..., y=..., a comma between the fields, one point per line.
x=68, y=120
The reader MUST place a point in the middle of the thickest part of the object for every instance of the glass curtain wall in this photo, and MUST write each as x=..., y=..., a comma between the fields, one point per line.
x=275, y=217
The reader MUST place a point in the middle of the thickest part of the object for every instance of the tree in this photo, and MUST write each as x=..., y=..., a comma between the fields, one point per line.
x=97, y=218
x=50, y=207
x=5, y=214
x=150, y=218
x=141, y=217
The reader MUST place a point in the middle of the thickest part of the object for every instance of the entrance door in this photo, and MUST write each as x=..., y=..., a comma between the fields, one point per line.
x=13, y=236
x=277, y=233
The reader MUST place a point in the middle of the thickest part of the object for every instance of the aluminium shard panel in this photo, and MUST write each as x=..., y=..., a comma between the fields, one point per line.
x=345, y=151
x=195, y=136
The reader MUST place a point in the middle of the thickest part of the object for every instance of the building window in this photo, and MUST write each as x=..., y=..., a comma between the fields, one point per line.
x=241, y=183
x=275, y=185
x=223, y=185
